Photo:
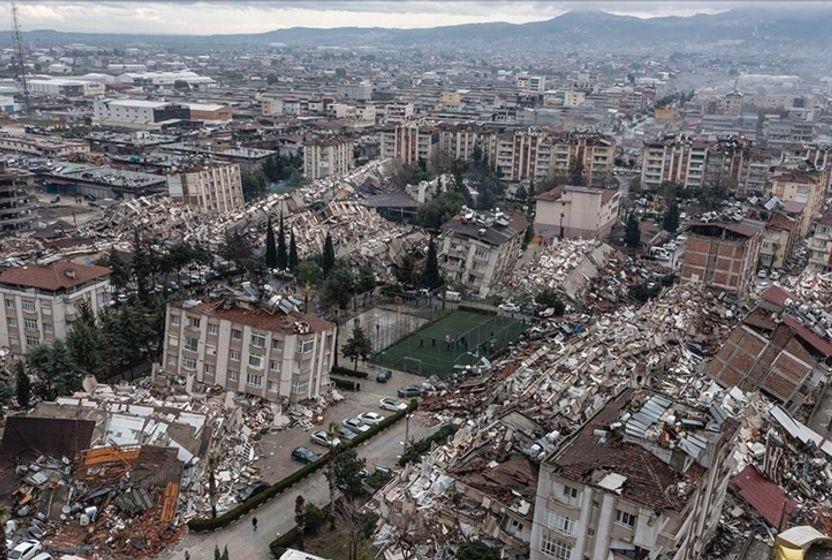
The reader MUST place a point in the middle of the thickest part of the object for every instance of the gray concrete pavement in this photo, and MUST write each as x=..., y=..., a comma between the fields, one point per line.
x=277, y=516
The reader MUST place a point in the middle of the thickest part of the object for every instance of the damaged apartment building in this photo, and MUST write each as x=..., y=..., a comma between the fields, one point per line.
x=249, y=343
x=644, y=478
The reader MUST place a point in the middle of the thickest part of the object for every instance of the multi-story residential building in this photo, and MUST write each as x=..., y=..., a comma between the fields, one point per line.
x=643, y=478
x=818, y=156
x=273, y=352
x=820, y=242
x=18, y=205
x=211, y=186
x=722, y=255
x=40, y=301
x=477, y=250
x=458, y=142
x=398, y=112
x=409, y=143
x=325, y=156
x=576, y=212
x=805, y=186
x=50, y=147
x=779, y=240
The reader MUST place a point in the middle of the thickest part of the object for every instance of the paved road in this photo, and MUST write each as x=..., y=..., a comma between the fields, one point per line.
x=277, y=516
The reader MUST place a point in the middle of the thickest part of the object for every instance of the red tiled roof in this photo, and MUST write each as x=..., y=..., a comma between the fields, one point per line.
x=809, y=336
x=777, y=295
x=55, y=276
x=764, y=496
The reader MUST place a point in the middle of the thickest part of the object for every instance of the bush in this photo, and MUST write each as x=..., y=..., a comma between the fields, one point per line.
x=415, y=451
x=199, y=524
x=346, y=384
x=338, y=370
x=315, y=517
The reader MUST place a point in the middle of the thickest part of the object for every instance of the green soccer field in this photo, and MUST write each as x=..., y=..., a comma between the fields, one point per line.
x=427, y=351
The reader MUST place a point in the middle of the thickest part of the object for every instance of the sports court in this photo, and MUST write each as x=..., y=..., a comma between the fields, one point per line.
x=457, y=338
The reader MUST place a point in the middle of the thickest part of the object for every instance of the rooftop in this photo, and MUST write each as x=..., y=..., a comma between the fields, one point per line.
x=54, y=276
x=259, y=317
x=494, y=228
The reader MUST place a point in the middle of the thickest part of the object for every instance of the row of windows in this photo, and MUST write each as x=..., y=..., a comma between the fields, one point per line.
x=555, y=549
x=257, y=340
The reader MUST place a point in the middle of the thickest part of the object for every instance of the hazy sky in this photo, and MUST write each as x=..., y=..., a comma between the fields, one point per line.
x=251, y=16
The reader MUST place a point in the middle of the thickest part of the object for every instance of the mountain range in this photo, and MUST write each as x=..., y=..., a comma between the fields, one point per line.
x=572, y=29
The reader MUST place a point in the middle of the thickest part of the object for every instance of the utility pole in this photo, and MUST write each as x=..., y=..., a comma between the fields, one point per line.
x=21, y=66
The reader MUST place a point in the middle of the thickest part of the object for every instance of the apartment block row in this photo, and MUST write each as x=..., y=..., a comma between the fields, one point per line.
x=529, y=154
x=327, y=156
x=213, y=187
x=733, y=164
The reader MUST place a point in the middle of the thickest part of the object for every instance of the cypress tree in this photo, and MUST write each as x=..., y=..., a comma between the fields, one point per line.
x=430, y=276
x=271, y=250
x=328, y=259
x=282, y=257
x=293, y=252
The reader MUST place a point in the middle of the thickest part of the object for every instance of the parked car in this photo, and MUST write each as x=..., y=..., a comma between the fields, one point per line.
x=304, y=455
x=355, y=424
x=252, y=489
x=25, y=550
x=346, y=434
x=371, y=418
x=43, y=556
x=409, y=392
x=384, y=376
x=322, y=437
x=389, y=403
x=509, y=307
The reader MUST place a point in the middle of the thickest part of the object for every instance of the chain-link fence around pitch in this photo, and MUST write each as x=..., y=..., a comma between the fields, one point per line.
x=457, y=338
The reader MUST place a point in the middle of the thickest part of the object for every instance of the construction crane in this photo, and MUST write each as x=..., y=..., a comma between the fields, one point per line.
x=21, y=66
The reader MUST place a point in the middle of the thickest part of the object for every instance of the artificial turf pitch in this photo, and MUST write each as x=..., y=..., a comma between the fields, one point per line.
x=425, y=351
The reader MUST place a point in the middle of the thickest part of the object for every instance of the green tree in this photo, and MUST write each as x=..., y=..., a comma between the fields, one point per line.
x=632, y=233
x=358, y=345
x=346, y=472
x=119, y=270
x=328, y=258
x=220, y=556
x=254, y=186
x=576, y=173
x=237, y=249
x=271, y=248
x=671, y=218
x=366, y=279
x=309, y=272
x=57, y=374
x=23, y=385
x=431, y=278
x=142, y=264
x=476, y=550
x=338, y=288
x=293, y=252
x=282, y=255
x=439, y=210
x=300, y=520
x=88, y=348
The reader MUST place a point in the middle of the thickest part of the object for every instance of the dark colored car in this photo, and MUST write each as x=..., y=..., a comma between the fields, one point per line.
x=345, y=434
x=304, y=455
x=252, y=489
x=384, y=376
x=409, y=391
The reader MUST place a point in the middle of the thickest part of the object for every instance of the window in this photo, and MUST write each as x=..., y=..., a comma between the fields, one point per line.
x=300, y=387
x=193, y=322
x=191, y=344
x=274, y=365
x=273, y=386
x=30, y=324
x=174, y=320
x=233, y=375
x=258, y=340
x=560, y=523
x=9, y=303
x=48, y=328
x=236, y=334
x=210, y=369
x=254, y=379
x=46, y=310
x=173, y=341
x=28, y=305
x=255, y=361
x=571, y=494
x=213, y=328
x=625, y=518
x=172, y=360
x=210, y=350
x=277, y=344
x=188, y=363
x=307, y=346
x=12, y=322
x=555, y=549
x=234, y=355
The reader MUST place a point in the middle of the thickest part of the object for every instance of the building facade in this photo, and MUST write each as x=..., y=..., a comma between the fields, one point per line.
x=722, y=255
x=18, y=205
x=212, y=187
x=475, y=251
x=576, y=212
x=40, y=301
x=249, y=348
x=806, y=187
x=632, y=483
x=409, y=143
x=324, y=157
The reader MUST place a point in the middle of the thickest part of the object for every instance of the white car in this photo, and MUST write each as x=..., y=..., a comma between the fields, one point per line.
x=355, y=424
x=509, y=307
x=322, y=437
x=394, y=405
x=43, y=556
x=370, y=418
x=25, y=550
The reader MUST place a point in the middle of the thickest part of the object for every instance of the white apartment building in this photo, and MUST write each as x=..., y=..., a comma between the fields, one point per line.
x=40, y=301
x=459, y=142
x=213, y=187
x=476, y=250
x=409, y=143
x=249, y=348
x=398, y=112
x=576, y=212
x=644, y=478
x=323, y=157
